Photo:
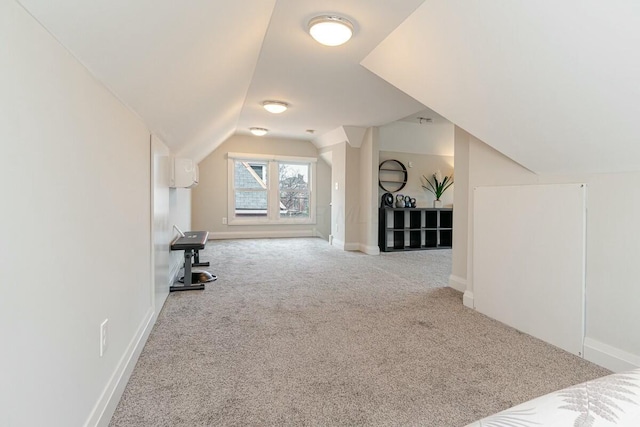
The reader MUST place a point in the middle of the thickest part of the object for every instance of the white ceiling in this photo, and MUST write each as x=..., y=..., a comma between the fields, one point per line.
x=196, y=72
x=424, y=116
x=555, y=85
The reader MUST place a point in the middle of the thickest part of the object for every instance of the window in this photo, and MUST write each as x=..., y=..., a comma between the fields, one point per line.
x=294, y=189
x=271, y=190
x=250, y=179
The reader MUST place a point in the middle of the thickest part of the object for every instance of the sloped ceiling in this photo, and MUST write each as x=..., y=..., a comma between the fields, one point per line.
x=183, y=67
x=555, y=85
x=197, y=71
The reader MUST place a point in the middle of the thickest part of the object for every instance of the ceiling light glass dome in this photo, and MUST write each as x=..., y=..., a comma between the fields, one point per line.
x=259, y=131
x=330, y=30
x=275, y=107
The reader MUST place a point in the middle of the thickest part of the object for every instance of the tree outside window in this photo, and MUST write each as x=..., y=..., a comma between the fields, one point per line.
x=294, y=190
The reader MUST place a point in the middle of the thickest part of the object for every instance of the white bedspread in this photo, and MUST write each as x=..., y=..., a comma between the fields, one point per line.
x=613, y=400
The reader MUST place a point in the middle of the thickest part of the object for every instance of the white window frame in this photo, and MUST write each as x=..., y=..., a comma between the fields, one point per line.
x=273, y=189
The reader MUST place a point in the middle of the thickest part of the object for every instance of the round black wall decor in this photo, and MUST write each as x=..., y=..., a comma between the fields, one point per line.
x=392, y=175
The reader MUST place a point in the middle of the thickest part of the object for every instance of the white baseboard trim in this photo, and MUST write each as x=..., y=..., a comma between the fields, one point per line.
x=369, y=250
x=467, y=299
x=105, y=407
x=319, y=234
x=458, y=283
x=337, y=243
x=609, y=357
x=352, y=246
x=174, y=271
x=223, y=235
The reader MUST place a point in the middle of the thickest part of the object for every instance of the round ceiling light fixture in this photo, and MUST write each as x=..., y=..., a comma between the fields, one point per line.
x=275, y=107
x=330, y=30
x=259, y=131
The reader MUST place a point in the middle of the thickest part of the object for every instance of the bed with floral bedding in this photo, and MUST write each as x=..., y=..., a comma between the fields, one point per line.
x=613, y=400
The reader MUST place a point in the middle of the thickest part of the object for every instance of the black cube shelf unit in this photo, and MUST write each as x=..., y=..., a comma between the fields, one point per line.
x=412, y=229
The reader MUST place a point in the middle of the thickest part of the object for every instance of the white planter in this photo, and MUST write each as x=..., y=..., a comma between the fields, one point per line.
x=437, y=203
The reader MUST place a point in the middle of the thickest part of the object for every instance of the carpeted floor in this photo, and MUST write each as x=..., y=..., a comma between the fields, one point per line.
x=296, y=332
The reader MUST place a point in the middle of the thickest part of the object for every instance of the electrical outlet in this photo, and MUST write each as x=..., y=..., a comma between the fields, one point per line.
x=224, y=219
x=103, y=337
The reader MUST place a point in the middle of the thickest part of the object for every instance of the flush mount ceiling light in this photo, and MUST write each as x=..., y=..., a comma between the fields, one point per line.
x=330, y=30
x=259, y=131
x=275, y=107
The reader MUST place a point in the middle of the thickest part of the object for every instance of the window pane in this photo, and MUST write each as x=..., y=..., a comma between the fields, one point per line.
x=294, y=190
x=251, y=204
x=250, y=175
x=294, y=204
x=293, y=176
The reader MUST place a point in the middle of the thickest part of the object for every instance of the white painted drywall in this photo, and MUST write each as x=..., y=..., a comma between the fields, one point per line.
x=421, y=164
x=338, y=193
x=612, y=245
x=529, y=262
x=369, y=159
x=458, y=278
x=171, y=206
x=524, y=77
x=161, y=227
x=428, y=138
x=209, y=198
x=352, y=206
x=486, y=167
x=163, y=58
x=75, y=233
x=180, y=215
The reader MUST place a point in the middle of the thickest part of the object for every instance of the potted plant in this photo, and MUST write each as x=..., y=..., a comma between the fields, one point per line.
x=438, y=185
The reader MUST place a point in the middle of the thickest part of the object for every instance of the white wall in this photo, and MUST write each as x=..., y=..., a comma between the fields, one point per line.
x=612, y=268
x=352, y=206
x=354, y=215
x=161, y=228
x=465, y=61
x=422, y=164
x=338, y=192
x=171, y=206
x=369, y=159
x=180, y=215
x=458, y=278
x=209, y=198
x=428, y=138
x=76, y=232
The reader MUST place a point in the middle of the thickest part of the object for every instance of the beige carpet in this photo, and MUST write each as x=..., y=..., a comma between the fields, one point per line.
x=296, y=332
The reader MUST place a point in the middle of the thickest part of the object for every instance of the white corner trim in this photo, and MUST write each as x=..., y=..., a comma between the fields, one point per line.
x=107, y=403
x=609, y=357
x=467, y=299
x=369, y=250
x=355, y=135
x=458, y=283
x=333, y=137
x=337, y=243
x=221, y=235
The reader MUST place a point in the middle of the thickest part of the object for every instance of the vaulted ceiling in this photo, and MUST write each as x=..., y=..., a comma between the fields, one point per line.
x=555, y=85
x=197, y=72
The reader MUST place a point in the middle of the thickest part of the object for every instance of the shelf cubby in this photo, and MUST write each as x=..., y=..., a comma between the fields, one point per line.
x=431, y=219
x=402, y=229
x=445, y=239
